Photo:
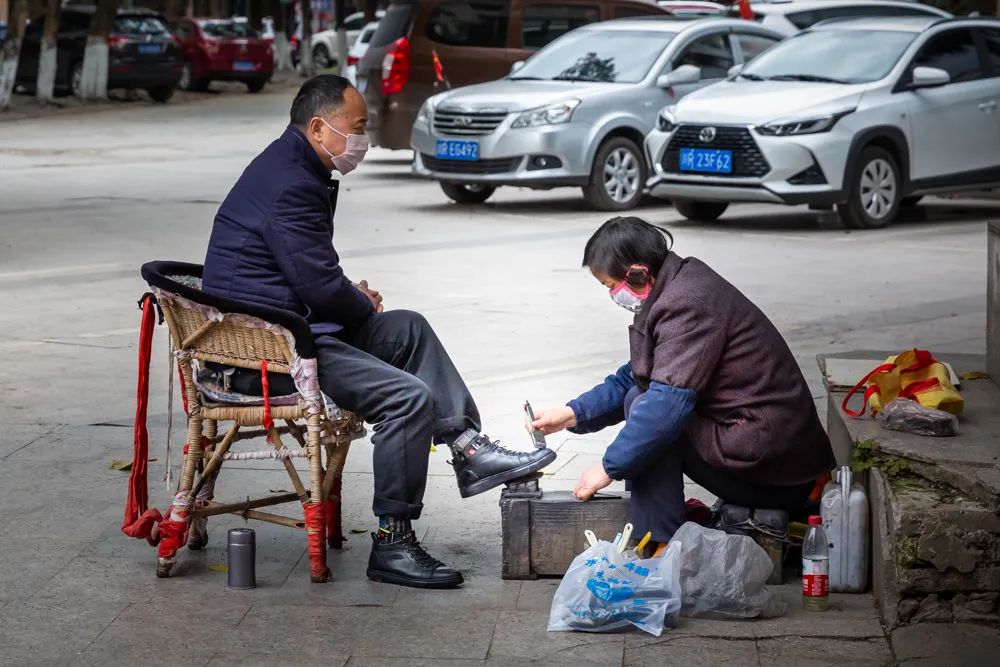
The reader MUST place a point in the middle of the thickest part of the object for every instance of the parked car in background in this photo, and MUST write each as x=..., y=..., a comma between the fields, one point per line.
x=142, y=55
x=577, y=112
x=864, y=114
x=324, y=43
x=475, y=40
x=790, y=17
x=223, y=50
x=358, y=50
x=692, y=8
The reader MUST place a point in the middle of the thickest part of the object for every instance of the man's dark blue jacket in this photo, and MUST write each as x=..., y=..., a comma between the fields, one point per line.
x=272, y=241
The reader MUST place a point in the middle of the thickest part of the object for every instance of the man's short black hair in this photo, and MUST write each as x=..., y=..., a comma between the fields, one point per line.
x=621, y=242
x=318, y=96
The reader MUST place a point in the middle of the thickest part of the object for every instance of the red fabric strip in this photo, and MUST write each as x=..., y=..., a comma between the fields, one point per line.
x=173, y=536
x=864, y=406
x=268, y=422
x=315, y=516
x=911, y=390
x=139, y=520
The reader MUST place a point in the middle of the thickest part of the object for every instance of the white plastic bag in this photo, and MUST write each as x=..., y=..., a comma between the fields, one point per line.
x=723, y=576
x=605, y=591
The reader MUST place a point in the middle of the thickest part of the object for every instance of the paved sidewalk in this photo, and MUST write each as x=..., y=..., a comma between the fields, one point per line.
x=90, y=596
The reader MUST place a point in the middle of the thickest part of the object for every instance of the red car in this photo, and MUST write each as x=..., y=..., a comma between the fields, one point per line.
x=223, y=50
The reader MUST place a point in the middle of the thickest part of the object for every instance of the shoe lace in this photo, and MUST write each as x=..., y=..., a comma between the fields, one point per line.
x=495, y=446
x=421, y=557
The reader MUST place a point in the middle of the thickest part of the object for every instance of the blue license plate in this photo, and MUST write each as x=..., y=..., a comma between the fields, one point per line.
x=150, y=49
x=457, y=150
x=243, y=66
x=707, y=160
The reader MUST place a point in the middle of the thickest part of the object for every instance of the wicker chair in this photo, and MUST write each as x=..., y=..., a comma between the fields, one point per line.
x=207, y=331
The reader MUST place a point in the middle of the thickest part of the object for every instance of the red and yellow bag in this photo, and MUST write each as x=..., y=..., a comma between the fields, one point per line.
x=913, y=374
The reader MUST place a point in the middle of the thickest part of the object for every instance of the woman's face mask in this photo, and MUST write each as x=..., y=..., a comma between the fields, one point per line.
x=354, y=150
x=629, y=297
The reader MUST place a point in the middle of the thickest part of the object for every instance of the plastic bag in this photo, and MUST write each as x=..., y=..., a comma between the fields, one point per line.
x=605, y=591
x=723, y=576
x=904, y=414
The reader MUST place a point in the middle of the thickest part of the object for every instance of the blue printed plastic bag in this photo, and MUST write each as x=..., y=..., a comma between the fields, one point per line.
x=605, y=591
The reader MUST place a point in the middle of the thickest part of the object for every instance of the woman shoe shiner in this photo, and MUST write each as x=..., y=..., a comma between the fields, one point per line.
x=711, y=390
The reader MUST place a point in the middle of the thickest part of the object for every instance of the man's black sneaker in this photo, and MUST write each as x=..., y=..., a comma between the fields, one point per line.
x=481, y=465
x=404, y=562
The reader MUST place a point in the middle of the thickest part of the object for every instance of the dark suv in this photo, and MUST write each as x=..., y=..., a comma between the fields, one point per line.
x=475, y=41
x=142, y=52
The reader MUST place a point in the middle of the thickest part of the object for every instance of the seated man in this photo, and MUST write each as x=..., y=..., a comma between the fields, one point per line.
x=272, y=244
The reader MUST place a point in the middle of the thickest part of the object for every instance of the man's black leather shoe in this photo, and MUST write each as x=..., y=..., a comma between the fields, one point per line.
x=404, y=562
x=481, y=465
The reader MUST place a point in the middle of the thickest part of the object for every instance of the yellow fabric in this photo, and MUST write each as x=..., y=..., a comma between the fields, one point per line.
x=942, y=397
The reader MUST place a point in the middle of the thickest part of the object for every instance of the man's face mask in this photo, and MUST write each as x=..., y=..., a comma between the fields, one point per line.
x=354, y=151
x=632, y=298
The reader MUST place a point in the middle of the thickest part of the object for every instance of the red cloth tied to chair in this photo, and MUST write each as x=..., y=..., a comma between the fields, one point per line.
x=173, y=535
x=140, y=521
x=315, y=515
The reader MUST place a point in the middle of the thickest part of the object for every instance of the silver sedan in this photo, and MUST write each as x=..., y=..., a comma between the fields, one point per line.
x=577, y=112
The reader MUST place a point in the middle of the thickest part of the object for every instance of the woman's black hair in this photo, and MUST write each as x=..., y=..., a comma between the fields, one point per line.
x=621, y=242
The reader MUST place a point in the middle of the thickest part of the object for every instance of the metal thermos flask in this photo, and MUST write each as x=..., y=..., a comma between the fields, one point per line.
x=242, y=549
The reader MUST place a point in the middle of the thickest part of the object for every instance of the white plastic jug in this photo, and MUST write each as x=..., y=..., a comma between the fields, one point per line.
x=845, y=518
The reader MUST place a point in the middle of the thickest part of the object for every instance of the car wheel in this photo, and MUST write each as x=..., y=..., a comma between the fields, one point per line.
x=910, y=201
x=701, y=211
x=467, y=193
x=618, y=176
x=873, y=197
x=256, y=85
x=160, y=94
x=75, y=79
x=321, y=57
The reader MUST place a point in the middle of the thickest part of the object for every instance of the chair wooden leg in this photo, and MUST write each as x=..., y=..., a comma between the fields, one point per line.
x=198, y=532
x=174, y=527
x=315, y=509
x=332, y=488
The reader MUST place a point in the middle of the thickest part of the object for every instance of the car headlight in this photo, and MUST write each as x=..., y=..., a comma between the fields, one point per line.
x=666, y=122
x=810, y=125
x=424, y=115
x=551, y=115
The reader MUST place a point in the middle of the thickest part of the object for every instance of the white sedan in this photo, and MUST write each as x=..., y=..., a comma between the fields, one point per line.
x=324, y=43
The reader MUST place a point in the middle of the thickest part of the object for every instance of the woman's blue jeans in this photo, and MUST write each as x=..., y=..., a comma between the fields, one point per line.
x=657, y=503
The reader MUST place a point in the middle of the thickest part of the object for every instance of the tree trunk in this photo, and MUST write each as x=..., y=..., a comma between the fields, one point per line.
x=253, y=13
x=371, y=6
x=340, y=13
x=282, y=49
x=94, y=79
x=11, y=50
x=176, y=9
x=46, y=82
x=306, y=66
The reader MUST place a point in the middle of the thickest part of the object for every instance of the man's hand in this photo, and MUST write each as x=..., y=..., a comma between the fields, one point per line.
x=552, y=420
x=372, y=295
x=591, y=481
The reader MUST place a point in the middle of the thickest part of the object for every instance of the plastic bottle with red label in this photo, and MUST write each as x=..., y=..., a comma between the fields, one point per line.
x=816, y=567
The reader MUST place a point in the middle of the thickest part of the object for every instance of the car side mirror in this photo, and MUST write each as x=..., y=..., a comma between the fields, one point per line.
x=734, y=70
x=929, y=77
x=684, y=74
x=516, y=66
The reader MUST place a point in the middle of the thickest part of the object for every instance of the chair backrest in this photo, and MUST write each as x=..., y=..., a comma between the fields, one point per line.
x=221, y=330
